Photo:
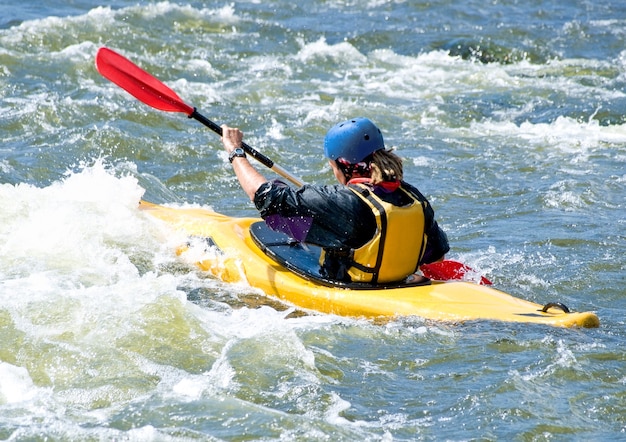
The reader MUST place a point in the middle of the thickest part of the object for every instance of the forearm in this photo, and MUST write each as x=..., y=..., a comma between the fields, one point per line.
x=249, y=178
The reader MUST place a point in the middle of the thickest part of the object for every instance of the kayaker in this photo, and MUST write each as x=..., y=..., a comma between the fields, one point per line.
x=372, y=226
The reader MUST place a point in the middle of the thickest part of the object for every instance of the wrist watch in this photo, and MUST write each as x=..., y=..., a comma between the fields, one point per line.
x=238, y=152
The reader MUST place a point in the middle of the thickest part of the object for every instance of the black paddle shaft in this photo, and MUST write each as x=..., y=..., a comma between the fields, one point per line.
x=217, y=129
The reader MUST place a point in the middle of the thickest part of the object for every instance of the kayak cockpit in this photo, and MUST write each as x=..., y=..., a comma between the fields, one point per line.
x=304, y=259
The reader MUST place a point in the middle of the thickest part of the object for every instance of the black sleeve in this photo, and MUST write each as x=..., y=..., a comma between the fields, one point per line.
x=337, y=217
x=437, y=245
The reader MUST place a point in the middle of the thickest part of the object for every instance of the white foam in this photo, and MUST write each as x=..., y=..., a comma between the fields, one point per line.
x=343, y=52
x=564, y=133
x=103, y=17
x=338, y=406
x=563, y=195
x=99, y=17
x=69, y=223
x=16, y=384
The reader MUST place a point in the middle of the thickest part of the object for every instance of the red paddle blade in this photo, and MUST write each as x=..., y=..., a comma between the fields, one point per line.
x=448, y=270
x=138, y=82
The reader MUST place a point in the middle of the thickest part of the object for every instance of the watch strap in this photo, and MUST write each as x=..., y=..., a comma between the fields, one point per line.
x=238, y=152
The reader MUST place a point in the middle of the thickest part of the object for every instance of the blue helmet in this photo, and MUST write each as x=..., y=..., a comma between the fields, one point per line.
x=353, y=140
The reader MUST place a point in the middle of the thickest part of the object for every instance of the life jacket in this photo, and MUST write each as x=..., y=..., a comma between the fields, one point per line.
x=398, y=245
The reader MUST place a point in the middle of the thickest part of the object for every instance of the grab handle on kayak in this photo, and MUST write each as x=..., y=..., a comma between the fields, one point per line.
x=549, y=305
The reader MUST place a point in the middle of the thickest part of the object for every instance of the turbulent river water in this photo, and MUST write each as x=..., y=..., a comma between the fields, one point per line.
x=510, y=116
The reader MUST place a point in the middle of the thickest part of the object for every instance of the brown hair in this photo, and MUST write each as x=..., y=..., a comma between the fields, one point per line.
x=385, y=166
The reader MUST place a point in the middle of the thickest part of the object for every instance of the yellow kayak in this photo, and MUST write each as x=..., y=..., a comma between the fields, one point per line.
x=247, y=252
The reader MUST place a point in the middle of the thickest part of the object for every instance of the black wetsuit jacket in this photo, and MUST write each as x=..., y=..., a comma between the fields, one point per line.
x=335, y=218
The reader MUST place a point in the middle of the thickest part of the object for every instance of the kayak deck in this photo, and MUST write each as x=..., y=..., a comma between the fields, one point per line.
x=240, y=259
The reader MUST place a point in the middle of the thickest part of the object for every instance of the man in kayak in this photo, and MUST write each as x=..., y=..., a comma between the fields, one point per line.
x=372, y=227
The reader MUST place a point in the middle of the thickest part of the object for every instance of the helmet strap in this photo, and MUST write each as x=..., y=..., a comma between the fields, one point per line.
x=360, y=169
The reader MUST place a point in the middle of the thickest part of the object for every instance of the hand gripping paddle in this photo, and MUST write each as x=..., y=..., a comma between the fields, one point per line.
x=155, y=93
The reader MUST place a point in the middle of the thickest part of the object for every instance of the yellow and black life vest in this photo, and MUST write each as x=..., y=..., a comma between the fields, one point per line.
x=398, y=245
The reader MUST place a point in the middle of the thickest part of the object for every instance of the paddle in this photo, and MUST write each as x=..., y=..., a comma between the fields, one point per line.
x=156, y=94
x=153, y=92
x=448, y=270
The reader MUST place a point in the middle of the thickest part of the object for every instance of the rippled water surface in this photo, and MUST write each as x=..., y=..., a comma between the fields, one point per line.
x=510, y=117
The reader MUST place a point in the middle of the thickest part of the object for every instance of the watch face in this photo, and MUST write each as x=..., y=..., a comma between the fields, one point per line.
x=238, y=152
